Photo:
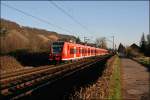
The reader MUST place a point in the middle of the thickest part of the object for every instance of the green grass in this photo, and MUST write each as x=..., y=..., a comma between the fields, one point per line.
x=115, y=82
x=144, y=60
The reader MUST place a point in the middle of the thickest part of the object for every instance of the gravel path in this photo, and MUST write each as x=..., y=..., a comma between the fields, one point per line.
x=135, y=80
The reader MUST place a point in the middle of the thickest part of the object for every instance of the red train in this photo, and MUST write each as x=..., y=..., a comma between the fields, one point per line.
x=64, y=51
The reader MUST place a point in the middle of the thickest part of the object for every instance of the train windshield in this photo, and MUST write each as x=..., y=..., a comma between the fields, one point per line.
x=57, y=47
x=57, y=50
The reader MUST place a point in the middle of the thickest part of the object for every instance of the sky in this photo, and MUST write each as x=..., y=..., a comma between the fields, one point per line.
x=125, y=20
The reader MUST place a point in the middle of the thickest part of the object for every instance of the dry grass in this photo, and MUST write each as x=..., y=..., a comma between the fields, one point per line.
x=21, y=37
x=99, y=90
x=8, y=64
x=143, y=60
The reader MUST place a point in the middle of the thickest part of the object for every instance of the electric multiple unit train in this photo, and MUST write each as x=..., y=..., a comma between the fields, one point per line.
x=65, y=51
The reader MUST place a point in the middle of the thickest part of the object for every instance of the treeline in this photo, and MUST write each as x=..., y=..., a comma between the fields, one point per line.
x=134, y=50
x=145, y=44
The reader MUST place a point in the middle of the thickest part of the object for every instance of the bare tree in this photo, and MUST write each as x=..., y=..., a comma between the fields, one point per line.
x=78, y=40
x=101, y=43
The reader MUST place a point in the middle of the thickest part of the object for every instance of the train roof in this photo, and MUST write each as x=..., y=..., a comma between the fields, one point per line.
x=63, y=42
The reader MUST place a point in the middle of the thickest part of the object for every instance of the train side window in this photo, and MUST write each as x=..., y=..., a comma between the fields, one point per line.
x=82, y=51
x=71, y=51
x=77, y=50
x=88, y=50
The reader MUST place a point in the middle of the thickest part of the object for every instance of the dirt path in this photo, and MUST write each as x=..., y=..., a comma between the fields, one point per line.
x=135, y=80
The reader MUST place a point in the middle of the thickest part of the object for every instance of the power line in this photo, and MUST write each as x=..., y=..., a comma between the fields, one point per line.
x=69, y=15
x=39, y=19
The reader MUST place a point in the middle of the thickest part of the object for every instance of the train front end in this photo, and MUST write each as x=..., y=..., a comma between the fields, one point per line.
x=56, y=51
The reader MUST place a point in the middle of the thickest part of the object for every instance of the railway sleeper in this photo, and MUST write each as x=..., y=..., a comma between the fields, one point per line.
x=40, y=81
x=21, y=80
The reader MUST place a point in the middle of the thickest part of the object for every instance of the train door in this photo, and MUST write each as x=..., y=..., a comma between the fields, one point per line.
x=75, y=52
x=80, y=51
x=71, y=52
x=88, y=51
x=83, y=52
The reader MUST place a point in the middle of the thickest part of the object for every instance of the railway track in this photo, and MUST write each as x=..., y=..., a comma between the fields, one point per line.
x=21, y=71
x=16, y=85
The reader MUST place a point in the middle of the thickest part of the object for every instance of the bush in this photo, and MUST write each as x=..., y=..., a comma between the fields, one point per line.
x=3, y=31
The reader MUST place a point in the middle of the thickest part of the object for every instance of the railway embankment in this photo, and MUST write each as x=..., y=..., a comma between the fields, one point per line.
x=9, y=64
x=108, y=85
x=66, y=87
x=57, y=82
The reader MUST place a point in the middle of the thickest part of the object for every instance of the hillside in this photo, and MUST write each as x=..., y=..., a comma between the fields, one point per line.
x=8, y=64
x=14, y=36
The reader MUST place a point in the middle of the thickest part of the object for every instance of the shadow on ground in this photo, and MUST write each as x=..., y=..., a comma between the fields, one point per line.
x=32, y=59
x=63, y=88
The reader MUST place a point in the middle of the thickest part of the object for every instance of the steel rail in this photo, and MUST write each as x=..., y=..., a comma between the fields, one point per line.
x=39, y=78
x=6, y=82
x=36, y=80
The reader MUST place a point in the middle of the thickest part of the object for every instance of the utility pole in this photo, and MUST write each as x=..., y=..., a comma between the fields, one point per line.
x=84, y=39
x=113, y=42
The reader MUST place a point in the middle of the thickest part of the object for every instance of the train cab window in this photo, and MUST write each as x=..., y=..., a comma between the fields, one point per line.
x=57, y=47
x=57, y=50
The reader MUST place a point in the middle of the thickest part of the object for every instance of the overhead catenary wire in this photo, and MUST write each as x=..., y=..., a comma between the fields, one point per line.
x=37, y=18
x=69, y=15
